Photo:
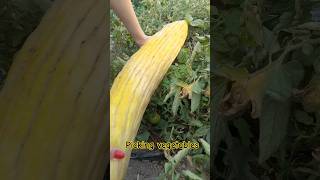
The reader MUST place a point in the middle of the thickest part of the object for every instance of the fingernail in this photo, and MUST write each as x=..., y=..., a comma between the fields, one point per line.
x=117, y=154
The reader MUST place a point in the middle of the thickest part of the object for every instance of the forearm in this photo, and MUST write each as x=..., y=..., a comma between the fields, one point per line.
x=125, y=11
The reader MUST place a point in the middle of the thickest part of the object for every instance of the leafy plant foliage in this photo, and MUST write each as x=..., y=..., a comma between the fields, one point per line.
x=179, y=109
x=265, y=63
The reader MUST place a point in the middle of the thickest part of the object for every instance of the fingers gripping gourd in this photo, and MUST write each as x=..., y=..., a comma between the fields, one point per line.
x=134, y=86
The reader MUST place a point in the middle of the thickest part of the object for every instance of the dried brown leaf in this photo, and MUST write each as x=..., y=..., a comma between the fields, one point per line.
x=246, y=91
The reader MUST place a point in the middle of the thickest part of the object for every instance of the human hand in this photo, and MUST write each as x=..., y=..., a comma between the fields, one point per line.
x=125, y=12
x=141, y=41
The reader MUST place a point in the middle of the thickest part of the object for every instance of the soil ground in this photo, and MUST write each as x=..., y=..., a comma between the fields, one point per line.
x=144, y=169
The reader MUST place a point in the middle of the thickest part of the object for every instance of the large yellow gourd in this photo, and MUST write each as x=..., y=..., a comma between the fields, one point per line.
x=53, y=115
x=134, y=85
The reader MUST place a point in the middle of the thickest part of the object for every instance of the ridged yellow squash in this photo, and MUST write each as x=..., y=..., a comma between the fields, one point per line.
x=53, y=114
x=134, y=86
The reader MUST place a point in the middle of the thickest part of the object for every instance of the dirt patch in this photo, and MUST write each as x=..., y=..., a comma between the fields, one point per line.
x=144, y=169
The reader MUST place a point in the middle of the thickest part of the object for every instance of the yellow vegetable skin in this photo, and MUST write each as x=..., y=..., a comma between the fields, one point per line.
x=53, y=114
x=134, y=86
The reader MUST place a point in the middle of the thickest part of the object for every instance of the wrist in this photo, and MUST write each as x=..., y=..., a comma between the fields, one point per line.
x=141, y=40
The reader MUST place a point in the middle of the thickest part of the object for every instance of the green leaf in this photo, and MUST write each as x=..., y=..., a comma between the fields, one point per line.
x=270, y=42
x=218, y=126
x=283, y=79
x=203, y=39
x=197, y=48
x=279, y=87
x=206, y=146
x=172, y=91
x=195, y=101
x=191, y=175
x=284, y=21
x=197, y=87
x=179, y=156
x=200, y=158
x=179, y=83
x=175, y=176
x=168, y=168
x=196, y=123
x=143, y=136
x=303, y=117
x=184, y=55
x=201, y=132
x=273, y=126
x=198, y=23
x=314, y=26
x=188, y=18
x=176, y=103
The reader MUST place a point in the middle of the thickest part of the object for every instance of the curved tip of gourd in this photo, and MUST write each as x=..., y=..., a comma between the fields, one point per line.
x=184, y=24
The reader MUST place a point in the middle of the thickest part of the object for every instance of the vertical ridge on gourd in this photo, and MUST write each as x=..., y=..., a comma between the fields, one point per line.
x=135, y=84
